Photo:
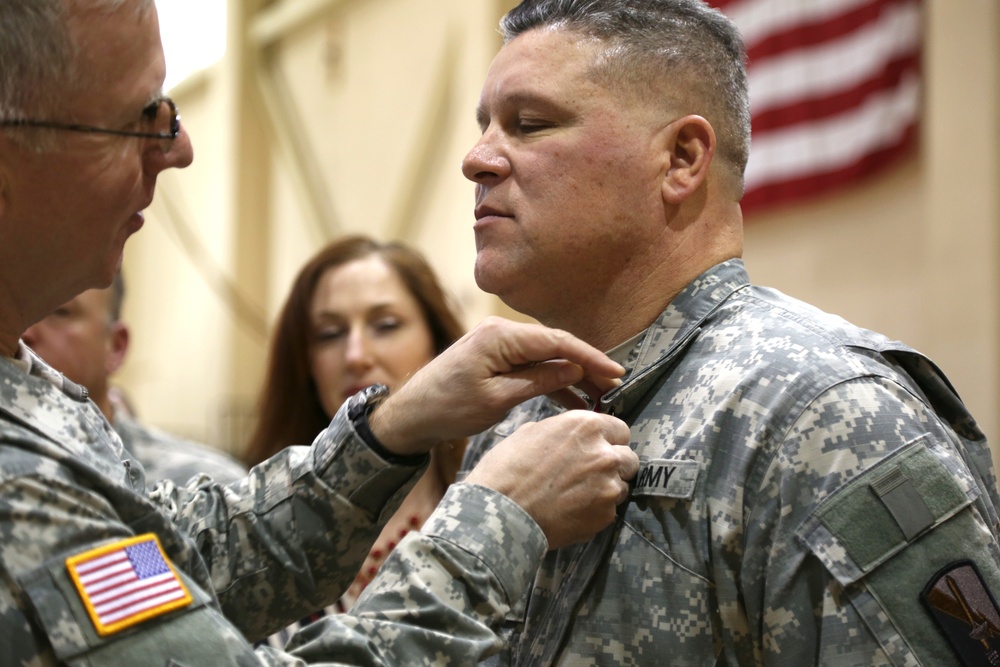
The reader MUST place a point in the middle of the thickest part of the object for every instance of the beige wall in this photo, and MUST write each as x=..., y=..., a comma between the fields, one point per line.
x=353, y=115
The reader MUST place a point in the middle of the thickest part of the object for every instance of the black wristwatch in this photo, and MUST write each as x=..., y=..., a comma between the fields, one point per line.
x=360, y=406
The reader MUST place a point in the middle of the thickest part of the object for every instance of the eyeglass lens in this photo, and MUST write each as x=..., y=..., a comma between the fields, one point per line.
x=160, y=117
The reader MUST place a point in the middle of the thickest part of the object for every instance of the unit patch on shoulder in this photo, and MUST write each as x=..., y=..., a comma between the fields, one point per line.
x=667, y=478
x=964, y=609
x=126, y=583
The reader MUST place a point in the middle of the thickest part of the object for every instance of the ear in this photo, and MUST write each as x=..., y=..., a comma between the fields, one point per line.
x=117, y=347
x=691, y=146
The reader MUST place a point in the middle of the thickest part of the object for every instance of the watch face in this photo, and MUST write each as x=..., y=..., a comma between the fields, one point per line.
x=368, y=397
x=374, y=391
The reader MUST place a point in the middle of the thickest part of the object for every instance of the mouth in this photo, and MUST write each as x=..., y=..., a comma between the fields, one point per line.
x=487, y=214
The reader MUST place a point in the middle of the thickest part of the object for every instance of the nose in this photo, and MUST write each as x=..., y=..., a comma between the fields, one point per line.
x=30, y=336
x=486, y=164
x=177, y=155
x=357, y=351
x=181, y=154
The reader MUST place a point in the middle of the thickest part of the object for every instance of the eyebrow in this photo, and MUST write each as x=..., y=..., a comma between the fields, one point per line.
x=517, y=99
x=379, y=308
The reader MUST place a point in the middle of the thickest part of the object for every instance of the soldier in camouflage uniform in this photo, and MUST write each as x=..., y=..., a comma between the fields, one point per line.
x=810, y=493
x=86, y=340
x=98, y=568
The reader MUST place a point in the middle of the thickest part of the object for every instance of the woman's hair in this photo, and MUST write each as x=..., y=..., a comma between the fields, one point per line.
x=289, y=408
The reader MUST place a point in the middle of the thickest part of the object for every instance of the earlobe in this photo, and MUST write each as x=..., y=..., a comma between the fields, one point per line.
x=691, y=145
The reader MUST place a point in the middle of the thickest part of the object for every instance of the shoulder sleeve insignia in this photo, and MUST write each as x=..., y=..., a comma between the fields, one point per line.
x=127, y=582
x=965, y=611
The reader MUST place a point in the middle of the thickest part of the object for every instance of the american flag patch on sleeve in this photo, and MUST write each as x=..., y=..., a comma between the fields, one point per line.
x=126, y=583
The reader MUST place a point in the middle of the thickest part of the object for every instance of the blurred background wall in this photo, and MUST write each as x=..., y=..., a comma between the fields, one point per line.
x=330, y=116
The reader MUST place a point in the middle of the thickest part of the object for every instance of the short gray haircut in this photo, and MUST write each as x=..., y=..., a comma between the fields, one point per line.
x=682, y=52
x=38, y=59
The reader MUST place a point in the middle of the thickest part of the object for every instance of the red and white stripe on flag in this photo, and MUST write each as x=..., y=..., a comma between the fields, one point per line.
x=126, y=583
x=834, y=91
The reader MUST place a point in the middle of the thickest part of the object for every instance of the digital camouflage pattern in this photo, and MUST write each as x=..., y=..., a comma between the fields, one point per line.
x=801, y=481
x=164, y=456
x=256, y=554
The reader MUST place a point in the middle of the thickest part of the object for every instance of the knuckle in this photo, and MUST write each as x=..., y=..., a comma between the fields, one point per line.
x=611, y=491
x=606, y=459
x=491, y=325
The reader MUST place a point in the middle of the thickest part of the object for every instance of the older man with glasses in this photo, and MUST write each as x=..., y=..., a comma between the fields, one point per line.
x=98, y=568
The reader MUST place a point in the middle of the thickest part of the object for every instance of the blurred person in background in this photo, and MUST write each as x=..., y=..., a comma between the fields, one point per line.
x=360, y=313
x=86, y=340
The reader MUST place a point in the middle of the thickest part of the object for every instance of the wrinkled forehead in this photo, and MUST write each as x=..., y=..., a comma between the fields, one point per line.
x=108, y=6
x=99, y=27
x=117, y=48
x=561, y=64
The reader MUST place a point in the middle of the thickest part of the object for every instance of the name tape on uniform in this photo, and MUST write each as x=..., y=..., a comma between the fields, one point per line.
x=667, y=478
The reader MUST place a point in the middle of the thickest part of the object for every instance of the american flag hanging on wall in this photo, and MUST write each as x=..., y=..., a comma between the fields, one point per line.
x=834, y=91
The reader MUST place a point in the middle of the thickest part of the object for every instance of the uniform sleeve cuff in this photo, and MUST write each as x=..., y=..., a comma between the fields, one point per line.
x=344, y=461
x=494, y=529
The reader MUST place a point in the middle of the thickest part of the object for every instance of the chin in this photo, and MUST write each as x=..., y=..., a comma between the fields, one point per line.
x=108, y=273
x=504, y=284
x=487, y=280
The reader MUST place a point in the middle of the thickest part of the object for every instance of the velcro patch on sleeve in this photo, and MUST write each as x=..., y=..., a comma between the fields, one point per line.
x=966, y=612
x=127, y=582
x=667, y=478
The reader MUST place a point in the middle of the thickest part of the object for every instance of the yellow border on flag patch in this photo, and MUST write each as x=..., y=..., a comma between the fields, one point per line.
x=111, y=628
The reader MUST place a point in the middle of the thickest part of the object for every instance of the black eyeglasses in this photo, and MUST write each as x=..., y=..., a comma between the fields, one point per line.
x=160, y=117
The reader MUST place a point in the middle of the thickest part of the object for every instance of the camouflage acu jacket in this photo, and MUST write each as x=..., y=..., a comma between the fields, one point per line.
x=95, y=569
x=802, y=482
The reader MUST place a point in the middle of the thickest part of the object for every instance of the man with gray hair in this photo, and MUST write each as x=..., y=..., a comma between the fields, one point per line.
x=810, y=493
x=97, y=568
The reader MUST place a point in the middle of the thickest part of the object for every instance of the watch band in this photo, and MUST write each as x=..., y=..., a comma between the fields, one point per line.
x=360, y=406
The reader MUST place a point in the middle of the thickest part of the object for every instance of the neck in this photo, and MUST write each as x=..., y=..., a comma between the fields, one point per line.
x=105, y=407
x=8, y=345
x=12, y=323
x=636, y=296
x=25, y=298
x=629, y=308
x=617, y=316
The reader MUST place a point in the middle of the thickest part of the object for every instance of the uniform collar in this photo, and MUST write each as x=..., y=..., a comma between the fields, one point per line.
x=34, y=365
x=673, y=331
